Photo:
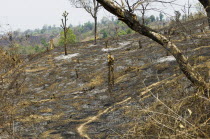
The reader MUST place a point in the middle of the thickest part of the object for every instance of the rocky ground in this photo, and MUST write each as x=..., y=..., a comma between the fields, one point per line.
x=67, y=96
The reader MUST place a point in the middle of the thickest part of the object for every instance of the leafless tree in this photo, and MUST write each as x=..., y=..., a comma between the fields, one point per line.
x=200, y=9
x=177, y=16
x=65, y=30
x=127, y=16
x=92, y=7
x=143, y=11
x=188, y=8
x=206, y=5
x=110, y=65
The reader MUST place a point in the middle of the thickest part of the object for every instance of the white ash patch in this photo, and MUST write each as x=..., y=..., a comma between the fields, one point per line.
x=165, y=59
x=62, y=84
x=70, y=83
x=92, y=45
x=77, y=93
x=103, y=97
x=140, y=63
x=86, y=106
x=97, y=91
x=125, y=43
x=111, y=49
x=80, y=84
x=69, y=56
x=198, y=25
x=39, y=89
x=128, y=62
x=122, y=45
x=119, y=68
x=46, y=114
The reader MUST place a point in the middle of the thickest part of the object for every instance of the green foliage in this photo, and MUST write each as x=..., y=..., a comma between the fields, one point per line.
x=105, y=21
x=161, y=16
x=91, y=39
x=129, y=31
x=152, y=18
x=157, y=18
x=121, y=32
x=104, y=33
x=44, y=42
x=29, y=49
x=71, y=38
x=36, y=48
x=88, y=26
x=45, y=30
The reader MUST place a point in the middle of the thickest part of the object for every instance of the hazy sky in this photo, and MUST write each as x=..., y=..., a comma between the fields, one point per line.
x=31, y=14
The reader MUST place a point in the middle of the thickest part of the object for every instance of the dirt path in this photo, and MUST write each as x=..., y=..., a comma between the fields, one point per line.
x=82, y=127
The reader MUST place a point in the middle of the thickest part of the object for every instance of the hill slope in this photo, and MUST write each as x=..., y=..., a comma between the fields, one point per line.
x=67, y=96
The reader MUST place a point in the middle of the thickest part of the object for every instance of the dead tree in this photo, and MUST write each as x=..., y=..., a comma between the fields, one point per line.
x=76, y=73
x=78, y=61
x=110, y=65
x=140, y=45
x=206, y=5
x=65, y=30
x=90, y=6
x=117, y=36
x=106, y=43
x=200, y=9
x=52, y=46
x=131, y=20
x=189, y=6
x=177, y=16
x=143, y=11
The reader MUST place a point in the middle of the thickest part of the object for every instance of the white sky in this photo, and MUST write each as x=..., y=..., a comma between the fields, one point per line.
x=31, y=14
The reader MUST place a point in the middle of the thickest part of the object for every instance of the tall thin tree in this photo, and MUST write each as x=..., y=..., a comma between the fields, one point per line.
x=90, y=6
x=65, y=30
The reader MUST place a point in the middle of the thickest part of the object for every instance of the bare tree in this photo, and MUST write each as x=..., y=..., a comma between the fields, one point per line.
x=206, y=5
x=188, y=8
x=65, y=30
x=143, y=11
x=177, y=16
x=110, y=64
x=200, y=9
x=128, y=17
x=92, y=7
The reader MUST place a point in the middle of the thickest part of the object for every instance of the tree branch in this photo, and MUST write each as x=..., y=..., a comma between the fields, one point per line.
x=131, y=20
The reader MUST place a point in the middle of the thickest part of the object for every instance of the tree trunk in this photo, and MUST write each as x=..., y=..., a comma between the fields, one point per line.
x=95, y=30
x=143, y=22
x=131, y=20
x=65, y=44
x=208, y=16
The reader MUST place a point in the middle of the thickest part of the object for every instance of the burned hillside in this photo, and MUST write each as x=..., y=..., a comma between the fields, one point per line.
x=56, y=96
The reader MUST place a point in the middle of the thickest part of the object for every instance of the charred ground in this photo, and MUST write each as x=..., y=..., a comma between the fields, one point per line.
x=67, y=97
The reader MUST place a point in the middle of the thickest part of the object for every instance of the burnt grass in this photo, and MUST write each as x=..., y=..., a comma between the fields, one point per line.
x=53, y=102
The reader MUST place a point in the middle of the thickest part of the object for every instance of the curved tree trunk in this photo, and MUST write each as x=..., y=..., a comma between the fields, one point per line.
x=131, y=20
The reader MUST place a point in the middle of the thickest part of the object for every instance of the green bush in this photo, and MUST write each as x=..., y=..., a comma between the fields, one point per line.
x=71, y=38
x=104, y=33
x=29, y=49
x=128, y=31
x=122, y=32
